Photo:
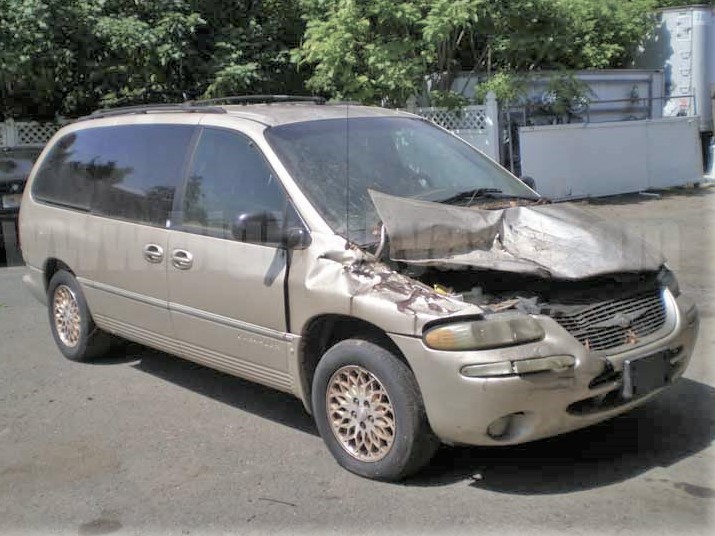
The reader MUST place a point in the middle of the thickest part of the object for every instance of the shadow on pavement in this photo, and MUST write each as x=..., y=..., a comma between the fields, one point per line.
x=241, y=394
x=675, y=425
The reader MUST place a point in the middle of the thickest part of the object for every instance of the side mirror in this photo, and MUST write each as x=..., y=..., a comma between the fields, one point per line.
x=259, y=226
x=530, y=182
x=267, y=227
x=296, y=238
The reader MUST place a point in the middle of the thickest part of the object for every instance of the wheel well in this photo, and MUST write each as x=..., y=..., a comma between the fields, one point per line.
x=52, y=266
x=323, y=332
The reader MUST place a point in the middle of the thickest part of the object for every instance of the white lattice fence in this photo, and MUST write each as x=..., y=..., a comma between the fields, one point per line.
x=23, y=133
x=35, y=133
x=468, y=118
x=478, y=125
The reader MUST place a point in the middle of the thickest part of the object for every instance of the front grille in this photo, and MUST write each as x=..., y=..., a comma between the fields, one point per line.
x=615, y=323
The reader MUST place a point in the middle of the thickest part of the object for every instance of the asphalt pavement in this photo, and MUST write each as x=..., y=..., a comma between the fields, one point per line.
x=145, y=443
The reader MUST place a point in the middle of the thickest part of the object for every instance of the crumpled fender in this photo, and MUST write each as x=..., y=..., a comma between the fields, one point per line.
x=351, y=282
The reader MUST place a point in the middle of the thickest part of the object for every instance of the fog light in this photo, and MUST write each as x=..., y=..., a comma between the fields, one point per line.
x=554, y=363
x=500, y=427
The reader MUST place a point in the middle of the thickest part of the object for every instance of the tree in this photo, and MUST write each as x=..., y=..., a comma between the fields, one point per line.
x=383, y=51
x=380, y=51
x=71, y=56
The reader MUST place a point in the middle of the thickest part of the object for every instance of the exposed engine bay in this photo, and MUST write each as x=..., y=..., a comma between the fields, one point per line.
x=496, y=291
x=600, y=283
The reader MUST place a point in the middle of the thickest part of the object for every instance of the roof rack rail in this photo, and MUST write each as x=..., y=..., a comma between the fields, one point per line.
x=258, y=99
x=153, y=108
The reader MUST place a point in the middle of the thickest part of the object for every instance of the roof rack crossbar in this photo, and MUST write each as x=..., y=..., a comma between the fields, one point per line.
x=258, y=99
x=201, y=106
x=152, y=108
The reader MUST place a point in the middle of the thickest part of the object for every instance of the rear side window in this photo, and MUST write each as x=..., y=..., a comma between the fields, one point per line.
x=65, y=175
x=129, y=172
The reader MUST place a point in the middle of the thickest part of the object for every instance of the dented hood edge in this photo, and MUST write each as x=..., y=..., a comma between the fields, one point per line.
x=561, y=241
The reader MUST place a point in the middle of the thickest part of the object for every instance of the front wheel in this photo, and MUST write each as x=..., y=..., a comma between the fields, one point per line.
x=369, y=411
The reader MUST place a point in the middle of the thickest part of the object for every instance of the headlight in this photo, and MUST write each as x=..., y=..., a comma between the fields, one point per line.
x=667, y=278
x=496, y=332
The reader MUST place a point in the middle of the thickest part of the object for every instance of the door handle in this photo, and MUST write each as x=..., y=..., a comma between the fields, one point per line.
x=182, y=259
x=153, y=253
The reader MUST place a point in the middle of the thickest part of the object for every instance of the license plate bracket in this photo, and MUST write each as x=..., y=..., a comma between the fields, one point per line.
x=645, y=374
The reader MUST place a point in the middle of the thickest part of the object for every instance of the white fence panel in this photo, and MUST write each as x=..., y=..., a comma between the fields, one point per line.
x=477, y=125
x=600, y=159
x=27, y=133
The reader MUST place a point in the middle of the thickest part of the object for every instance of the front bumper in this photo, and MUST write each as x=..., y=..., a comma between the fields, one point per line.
x=461, y=409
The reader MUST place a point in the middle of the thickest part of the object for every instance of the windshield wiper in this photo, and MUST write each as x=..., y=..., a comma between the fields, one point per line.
x=481, y=193
x=470, y=195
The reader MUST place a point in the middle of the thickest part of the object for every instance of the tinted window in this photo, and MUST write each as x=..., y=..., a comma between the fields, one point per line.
x=231, y=191
x=138, y=171
x=129, y=171
x=65, y=175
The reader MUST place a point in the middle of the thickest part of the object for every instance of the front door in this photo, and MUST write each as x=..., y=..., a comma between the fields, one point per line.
x=226, y=269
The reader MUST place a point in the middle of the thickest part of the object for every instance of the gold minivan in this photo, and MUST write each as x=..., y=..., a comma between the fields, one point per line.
x=405, y=287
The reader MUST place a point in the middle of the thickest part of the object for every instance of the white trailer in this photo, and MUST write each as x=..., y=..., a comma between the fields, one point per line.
x=683, y=45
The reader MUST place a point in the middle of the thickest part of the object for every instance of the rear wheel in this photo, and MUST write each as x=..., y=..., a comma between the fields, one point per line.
x=71, y=324
x=369, y=411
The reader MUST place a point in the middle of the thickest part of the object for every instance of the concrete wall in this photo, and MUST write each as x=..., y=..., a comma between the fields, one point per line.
x=585, y=160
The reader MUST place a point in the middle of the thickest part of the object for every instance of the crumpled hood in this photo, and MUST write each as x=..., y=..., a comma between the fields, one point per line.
x=562, y=241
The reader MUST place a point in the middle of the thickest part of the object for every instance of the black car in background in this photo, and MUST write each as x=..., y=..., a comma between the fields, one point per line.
x=15, y=166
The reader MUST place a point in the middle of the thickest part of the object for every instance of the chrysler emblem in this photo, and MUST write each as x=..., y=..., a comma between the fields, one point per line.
x=621, y=320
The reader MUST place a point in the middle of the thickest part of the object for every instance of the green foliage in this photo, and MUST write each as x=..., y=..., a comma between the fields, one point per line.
x=566, y=93
x=508, y=87
x=71, y=56
x=447, y=99
x=362, y=50
x=381, y=51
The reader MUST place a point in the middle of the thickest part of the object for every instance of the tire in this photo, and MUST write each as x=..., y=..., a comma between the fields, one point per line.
x=392, y=401
x=80, y=339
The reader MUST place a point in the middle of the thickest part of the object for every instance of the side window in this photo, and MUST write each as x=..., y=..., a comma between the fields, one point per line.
x=231, y=191
x=138, y=171
x=128, y=171
x=65, y=177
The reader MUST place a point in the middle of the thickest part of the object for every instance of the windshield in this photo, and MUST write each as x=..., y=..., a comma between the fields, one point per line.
x=402, y=156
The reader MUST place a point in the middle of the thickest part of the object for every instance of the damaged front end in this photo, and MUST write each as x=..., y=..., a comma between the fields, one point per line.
x=542, y=317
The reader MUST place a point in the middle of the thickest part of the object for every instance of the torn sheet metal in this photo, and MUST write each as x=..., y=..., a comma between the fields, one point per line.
x=558, y=240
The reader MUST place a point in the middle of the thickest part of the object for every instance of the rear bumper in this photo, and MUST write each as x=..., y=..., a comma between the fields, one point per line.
x=9, y=214
x=461, y=409
x=34, y=281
